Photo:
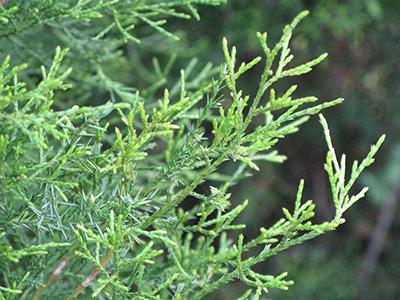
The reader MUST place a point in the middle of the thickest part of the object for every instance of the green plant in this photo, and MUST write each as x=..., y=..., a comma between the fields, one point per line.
x=88, y=213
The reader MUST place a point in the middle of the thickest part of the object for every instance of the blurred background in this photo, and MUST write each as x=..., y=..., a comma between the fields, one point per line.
x=361, y=260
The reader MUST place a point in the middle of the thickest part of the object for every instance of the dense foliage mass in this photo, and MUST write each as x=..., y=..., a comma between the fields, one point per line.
x=128, y=198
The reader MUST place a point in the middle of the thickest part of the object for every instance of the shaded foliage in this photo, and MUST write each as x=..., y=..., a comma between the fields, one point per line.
x=71, y=173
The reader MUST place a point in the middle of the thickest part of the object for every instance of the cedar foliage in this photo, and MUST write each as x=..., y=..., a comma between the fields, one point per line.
x=91, y=193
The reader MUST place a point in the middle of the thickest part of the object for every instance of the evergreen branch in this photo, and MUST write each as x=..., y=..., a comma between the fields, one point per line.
x=337, y=174
x=122, y=208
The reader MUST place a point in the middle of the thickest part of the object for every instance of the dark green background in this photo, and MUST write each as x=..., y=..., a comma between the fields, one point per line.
x=361, y=259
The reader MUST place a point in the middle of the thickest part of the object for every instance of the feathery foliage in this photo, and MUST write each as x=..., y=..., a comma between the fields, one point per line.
x=81, y=217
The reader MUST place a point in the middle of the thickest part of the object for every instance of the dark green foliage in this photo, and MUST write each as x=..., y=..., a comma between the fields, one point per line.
x=94, y=197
